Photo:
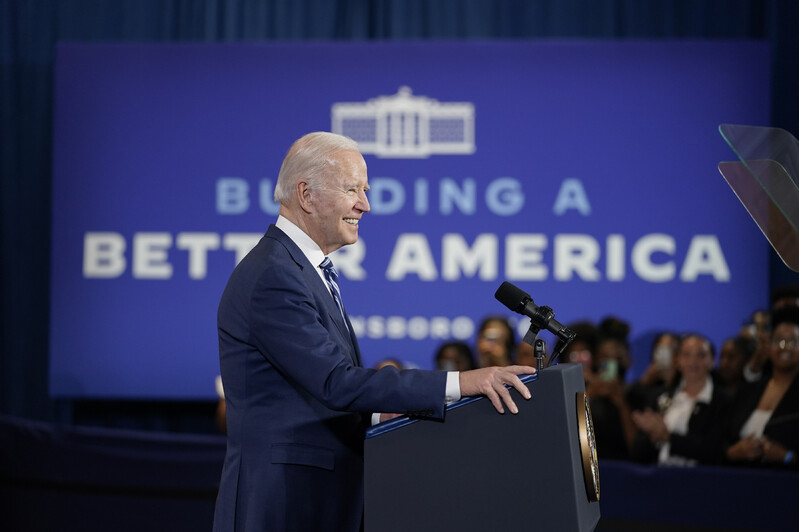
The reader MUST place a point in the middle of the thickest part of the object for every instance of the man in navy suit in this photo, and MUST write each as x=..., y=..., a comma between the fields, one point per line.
x=297, y=395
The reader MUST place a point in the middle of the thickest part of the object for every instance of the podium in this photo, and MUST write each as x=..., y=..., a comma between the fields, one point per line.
x=478, y=470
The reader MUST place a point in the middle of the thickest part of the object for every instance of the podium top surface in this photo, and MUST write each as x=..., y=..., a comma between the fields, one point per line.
x=399, y=422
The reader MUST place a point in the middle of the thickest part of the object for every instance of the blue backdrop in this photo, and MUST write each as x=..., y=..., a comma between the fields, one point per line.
x=583, y=172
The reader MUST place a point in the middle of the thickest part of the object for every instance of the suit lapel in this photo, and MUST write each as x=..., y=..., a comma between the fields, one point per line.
x=320, y=289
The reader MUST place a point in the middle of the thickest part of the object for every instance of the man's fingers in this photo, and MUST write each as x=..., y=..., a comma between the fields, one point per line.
x=522, y=370
x=495, y=400
x=514, y=380
x=492, y=382
x=511, y=378
x=517, y=383
x=505, y=394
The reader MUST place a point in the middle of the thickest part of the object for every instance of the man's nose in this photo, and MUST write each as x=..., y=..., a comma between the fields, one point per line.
x=363, y=202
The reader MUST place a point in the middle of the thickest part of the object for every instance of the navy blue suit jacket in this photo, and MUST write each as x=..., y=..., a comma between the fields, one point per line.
x=297, y=398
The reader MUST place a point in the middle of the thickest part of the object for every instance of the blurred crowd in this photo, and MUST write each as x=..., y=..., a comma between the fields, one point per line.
x=692, y=405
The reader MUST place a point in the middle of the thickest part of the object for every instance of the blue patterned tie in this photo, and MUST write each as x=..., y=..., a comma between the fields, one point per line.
x=331, y=275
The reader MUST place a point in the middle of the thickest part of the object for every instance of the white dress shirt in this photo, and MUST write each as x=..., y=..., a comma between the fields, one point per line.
x=677, y=417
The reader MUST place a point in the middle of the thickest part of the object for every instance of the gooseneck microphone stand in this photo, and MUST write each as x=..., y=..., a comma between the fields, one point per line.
x=539, y=320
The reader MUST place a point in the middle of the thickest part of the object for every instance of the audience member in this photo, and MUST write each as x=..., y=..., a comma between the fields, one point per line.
x=496, y=342
x=785, y=296
x=659, y=375
x=763, y=426
x=758, y=329
x=454, y=356
x=393, y=362
x=735, y=353
x=613, y=426
x=525, y=355
x=582, y=349
x=685, y=426
x=757, y=323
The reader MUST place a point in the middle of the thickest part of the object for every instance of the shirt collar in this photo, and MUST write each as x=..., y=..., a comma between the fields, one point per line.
x=705, y=396
x=309, y=248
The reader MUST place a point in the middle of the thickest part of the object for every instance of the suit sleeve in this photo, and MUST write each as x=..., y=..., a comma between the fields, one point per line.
x=291, y=330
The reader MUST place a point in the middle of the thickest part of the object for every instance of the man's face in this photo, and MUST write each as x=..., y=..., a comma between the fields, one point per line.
x=340, y=202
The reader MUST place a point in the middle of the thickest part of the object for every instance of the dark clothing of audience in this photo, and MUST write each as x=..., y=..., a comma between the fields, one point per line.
x=640, y=396
x=705, y=433
x=608, y=429
x=782, y=427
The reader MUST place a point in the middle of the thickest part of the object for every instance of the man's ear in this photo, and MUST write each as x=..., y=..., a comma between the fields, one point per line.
x=304, y=196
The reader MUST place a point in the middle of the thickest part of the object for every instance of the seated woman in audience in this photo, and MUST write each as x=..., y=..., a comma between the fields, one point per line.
x=454, y=356
x=613, y=426
x=659, y=375
x=735, y=354
x=763, y=426
x=685, y=426
x=758, y=329
x=496, y=342
x=581, y=350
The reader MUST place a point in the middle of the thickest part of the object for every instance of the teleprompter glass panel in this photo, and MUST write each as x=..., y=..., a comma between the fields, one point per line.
x=764, y=179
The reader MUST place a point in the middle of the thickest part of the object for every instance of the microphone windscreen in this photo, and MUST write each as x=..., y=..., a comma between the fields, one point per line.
x=511, y=296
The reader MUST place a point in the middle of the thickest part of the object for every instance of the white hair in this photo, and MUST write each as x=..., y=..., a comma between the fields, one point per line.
x=309, y=158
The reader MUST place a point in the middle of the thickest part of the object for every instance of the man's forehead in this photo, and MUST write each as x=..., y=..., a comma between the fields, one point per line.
x=351, y=168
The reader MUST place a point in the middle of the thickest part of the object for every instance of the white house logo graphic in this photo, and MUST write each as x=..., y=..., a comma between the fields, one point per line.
x=404, y=125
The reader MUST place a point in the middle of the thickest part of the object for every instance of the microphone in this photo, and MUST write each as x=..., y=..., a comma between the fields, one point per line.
x=520, y=301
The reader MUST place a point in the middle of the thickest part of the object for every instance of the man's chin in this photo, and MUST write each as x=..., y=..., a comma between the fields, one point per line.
x=349, y=240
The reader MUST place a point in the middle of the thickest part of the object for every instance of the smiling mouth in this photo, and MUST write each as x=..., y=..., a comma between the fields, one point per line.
x=351, y=221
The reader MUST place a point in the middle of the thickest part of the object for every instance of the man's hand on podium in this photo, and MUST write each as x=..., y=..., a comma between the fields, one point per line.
x=491, y=383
